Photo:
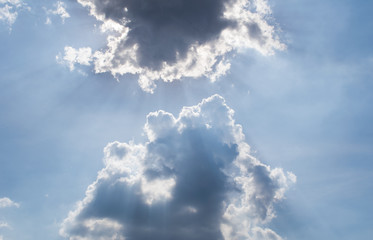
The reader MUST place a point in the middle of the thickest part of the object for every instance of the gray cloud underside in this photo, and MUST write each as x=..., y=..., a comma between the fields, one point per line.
x=163, y=29
x=168, y=40
x=193, y=179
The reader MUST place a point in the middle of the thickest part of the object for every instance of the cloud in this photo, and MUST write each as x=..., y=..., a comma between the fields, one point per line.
x=60, y=10
x=169, y=40
x=6, y=202
x=194, y=178
x=9, y=10
x=72, y=56
x=4, y=225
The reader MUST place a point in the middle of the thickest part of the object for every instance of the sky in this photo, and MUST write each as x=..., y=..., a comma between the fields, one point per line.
x=225, y=119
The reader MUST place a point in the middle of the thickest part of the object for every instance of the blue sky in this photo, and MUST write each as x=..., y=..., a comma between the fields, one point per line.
x=306, y=109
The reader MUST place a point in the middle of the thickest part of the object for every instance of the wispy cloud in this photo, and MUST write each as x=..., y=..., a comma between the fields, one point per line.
x=9, y=10
x=60, y=10
x=4, y=225
x=193, y=179
x=6, y=202
x=169, y=40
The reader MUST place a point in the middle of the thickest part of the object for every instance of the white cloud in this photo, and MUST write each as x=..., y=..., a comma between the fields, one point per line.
x=7, y=14
x=267, y=234
x=183, y=39
x=48, y=21
x=60, y=10
x=6, y=202
x=9, y=10
x=193, y=179
x=100, y=229
x=73, y=56
x=4, y=225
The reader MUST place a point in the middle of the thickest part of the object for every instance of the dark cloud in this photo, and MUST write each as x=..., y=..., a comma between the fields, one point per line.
x=164, y=29
x=168, y=40
x=193, y=179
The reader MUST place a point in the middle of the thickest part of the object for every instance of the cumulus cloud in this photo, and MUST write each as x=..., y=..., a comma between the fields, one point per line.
x=6, y=202
x=72, y=56
x=168, y=40
x=194, y=178
x=9, y=10
x=60, y=10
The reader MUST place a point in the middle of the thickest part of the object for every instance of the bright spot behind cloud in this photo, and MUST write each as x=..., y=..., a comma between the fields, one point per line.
x=168, y=40
x=193, y=179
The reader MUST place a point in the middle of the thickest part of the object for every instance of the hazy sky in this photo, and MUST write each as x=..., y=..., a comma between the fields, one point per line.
x=208, y=119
